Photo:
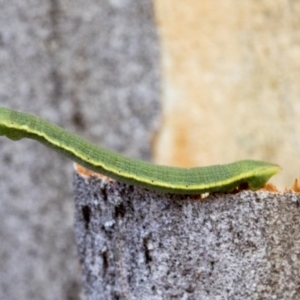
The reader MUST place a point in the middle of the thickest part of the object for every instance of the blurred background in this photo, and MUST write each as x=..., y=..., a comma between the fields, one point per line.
x=184, y=83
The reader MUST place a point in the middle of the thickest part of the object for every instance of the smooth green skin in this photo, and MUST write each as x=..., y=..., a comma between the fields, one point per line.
x=219, y=178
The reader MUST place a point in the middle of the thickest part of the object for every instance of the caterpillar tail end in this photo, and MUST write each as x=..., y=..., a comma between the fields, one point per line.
x=263, y=176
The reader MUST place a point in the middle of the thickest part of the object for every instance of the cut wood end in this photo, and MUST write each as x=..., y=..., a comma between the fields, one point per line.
x=295, y=187
x=88, y=173
x=270, y=187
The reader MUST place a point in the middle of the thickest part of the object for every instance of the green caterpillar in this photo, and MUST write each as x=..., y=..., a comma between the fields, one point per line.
x=218, y=178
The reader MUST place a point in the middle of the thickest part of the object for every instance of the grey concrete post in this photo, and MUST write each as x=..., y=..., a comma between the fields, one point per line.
x=137, y=244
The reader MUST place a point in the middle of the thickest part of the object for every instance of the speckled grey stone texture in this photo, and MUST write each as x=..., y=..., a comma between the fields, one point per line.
x=137, y=244
x=91, y=67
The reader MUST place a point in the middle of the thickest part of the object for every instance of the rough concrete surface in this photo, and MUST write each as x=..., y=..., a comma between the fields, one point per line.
x=137, y=244
x=91, y=67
